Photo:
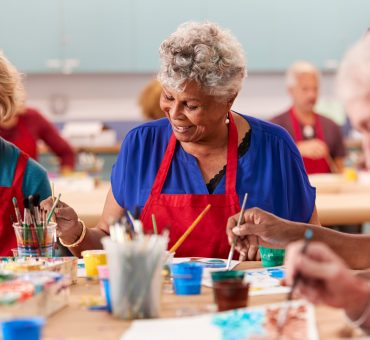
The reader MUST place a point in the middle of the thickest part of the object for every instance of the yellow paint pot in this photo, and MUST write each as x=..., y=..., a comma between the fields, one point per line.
x=93, y=259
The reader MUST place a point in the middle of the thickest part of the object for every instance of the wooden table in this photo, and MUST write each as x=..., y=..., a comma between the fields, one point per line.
x=75, y=322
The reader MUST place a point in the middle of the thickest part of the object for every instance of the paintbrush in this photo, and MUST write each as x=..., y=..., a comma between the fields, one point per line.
x=52, y=210
x=155, y=229
x=283, y=312
x=17, y=211
x=189, y=230
x=232, y=249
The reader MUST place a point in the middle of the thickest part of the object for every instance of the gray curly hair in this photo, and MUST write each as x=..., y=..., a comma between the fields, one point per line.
x=205, y=53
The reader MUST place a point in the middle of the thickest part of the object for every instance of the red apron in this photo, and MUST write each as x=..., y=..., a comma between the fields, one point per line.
x=178, y=211
x=23, y=139
x=313, y=166
x=7, y=234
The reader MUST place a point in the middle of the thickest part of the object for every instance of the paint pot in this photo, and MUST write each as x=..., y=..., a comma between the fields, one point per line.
x=227, y=275
x=93, y=259
x=230, y=294
x=272, y=257
x=103, y=272
x=20, y=329
x=187, y=278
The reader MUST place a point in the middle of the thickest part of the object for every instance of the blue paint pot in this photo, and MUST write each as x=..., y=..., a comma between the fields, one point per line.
x=187, y=278
x=106, y=287
x=20, y=329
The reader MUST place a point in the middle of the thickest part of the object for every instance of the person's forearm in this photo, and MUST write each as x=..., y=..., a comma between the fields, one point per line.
x=353, y=249
x=92, y=240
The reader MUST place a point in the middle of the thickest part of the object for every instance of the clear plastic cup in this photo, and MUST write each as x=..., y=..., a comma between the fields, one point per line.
x=187, y=278
x=35, y=241
x=230, y=294
x=227, y=275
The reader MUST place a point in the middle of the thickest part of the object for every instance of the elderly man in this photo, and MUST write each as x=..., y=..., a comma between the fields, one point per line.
x=318, y=138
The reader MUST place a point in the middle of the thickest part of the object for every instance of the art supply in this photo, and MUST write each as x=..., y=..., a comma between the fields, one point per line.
x=189, y=230
x=38, y=241
x=227, y=275
x=17, y=211
x=93, y=259
x=187, y=278
x=282, y=317
x=103, y=272
x=271, y=257
x=135, y=278
x=20, y=329
x=155, y=228
x=230, y=294
x=241, y=217
x=52, y=209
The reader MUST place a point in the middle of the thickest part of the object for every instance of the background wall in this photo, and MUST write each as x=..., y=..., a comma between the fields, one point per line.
x=114, y=97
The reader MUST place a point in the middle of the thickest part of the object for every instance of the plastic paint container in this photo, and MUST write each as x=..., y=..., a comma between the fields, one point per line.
x=227, y=275
x=272, y=257
x=187, y=278
x=103, y=272
x=93, y=259
x=230, y=294
x=21, y=329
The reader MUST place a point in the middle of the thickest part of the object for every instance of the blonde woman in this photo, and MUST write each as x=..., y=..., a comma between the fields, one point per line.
x=20, y=176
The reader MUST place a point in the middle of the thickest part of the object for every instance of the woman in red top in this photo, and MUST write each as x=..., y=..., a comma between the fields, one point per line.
x=29, y=126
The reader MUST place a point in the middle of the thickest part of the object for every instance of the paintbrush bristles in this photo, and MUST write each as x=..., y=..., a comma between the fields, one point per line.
x=189, y=230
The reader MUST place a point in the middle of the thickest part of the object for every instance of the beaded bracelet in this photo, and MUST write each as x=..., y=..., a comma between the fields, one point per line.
x=80, y=239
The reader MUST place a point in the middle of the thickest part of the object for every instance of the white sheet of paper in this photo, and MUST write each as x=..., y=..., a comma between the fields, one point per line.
x=203, y=327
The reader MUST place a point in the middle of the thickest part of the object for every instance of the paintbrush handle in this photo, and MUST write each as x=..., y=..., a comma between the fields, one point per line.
x=189, y=230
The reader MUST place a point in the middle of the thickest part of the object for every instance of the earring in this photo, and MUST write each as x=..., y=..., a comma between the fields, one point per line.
x=227, y=120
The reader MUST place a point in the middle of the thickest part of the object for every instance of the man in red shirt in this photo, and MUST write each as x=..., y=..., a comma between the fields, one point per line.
x=27, y=127
x=318, y=138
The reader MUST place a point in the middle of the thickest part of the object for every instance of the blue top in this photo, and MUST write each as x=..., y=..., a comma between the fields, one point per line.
x=35, y=179
x=271, y=171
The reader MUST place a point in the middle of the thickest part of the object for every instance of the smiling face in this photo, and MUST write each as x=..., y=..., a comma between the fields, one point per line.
x=305, y=91
x=195, y=116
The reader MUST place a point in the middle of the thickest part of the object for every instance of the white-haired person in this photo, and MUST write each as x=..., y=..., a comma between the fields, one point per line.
x=20, y=176
x=201, y=153
x=318, y=138
x=325, y=276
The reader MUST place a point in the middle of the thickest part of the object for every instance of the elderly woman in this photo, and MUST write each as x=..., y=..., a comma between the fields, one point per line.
x=20, y=176
x=201, y=153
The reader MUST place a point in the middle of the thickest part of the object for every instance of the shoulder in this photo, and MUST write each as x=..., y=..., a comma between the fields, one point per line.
x=36, y=180
x=271, y=132
x=281, y=119
x=328, y=122
x=150, y=132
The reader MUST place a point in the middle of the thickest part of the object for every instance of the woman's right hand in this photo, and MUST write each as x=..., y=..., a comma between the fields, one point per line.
x=69, y=228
